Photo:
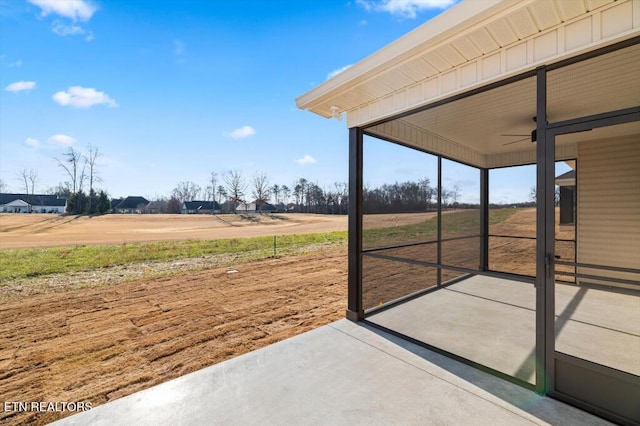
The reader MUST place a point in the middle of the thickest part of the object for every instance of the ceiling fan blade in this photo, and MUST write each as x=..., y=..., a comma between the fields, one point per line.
x=519, y=140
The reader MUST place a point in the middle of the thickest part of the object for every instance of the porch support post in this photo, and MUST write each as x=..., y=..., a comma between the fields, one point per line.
x=354, y=302
x=545, y=154
x=484, y=220
x=439, y=243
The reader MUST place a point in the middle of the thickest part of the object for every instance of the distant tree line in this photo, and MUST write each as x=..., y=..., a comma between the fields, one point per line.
x=232, y=192
x=410, y=196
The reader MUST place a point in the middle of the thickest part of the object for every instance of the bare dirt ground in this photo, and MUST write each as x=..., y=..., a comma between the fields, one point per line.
x=103, y=343
x=43, y=230
x=88, y=337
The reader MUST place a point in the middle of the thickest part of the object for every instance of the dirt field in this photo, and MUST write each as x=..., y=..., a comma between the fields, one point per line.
x=43, y=230
x=104, y=343
x=101, y=343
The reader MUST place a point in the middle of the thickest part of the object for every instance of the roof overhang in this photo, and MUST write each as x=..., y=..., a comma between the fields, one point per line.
x=399, y=92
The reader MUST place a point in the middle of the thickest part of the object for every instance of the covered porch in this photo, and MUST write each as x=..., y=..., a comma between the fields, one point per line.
x=477, y=105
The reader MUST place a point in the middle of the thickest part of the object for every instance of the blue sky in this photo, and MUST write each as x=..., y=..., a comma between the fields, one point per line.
x=170, y=91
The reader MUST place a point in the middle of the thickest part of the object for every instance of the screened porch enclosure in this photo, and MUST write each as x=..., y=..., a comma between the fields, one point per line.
x=456, y=239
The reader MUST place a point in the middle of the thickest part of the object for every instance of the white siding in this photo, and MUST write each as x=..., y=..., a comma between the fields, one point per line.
x=609, y=205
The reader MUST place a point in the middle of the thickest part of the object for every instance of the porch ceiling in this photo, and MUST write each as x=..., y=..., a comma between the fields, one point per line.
x=493, y=128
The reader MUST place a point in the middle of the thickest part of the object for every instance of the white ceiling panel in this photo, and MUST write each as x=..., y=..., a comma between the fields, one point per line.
x=522, y=23
x=417, y=69
x=395, y=79
x=594, y=4
x=466, y=47
x=484, y=40
x=502, y=32
x=545, y=14
x=571, y=9
x=437, y=61
x=374, y=88
x=451, y=55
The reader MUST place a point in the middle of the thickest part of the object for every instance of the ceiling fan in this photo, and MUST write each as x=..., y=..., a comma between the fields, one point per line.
x=532, y=137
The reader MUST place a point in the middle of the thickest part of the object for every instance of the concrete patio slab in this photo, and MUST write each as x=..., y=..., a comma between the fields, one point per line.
x=342, y=373
x=492, y=321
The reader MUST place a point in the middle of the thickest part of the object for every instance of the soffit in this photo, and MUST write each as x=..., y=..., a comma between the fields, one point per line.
x=471, y=31
x=370, y=72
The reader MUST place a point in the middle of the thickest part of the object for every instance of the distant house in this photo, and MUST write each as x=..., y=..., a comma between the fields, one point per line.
x=567, y=184
x=129, y=205
x=32, y=203
x=200, y=207
x=246, y=208
x=266, y=208
x=154, y=207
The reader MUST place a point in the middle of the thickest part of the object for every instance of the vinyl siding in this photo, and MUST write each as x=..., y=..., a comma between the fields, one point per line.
x=609, y=206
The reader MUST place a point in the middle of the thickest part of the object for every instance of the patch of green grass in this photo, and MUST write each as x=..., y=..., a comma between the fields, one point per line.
x=466, y=222
x=20, y=263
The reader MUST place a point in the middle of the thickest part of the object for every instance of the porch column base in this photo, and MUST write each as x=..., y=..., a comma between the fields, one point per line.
x=355, y=316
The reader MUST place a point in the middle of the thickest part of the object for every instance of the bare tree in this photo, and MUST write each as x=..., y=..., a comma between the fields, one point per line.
x=90, y=161
x=71, y=165
x=455, y=194
x=186, y=191
x=260, y=189
x=3, y=186
x=236, y=187
x=28, y=179
x=61, y=190
x=446, y=196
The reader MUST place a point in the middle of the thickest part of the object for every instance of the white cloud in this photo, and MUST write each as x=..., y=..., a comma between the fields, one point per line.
x=241, y=132
x=64, y=30
x=16, y=64
x=62, y=140
x=20, y=86
x=78, y=10
x=307, y=159
x=338, y=71
x=83, y=97
x=404, y=8
x=34, y=143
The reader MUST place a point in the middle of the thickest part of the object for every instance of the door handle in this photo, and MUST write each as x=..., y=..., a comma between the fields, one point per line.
x=548, y=261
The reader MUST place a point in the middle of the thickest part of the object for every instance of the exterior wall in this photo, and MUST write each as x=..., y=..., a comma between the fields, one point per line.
x=49, y=209
x=609, y=206
x=9, y=208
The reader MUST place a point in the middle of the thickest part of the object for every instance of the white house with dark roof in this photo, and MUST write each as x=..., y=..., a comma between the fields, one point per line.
x=32, y=203
x=200, y=207
x=131, y=204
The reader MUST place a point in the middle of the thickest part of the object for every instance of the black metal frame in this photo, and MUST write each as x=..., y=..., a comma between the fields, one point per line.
x=354, y=302
x=580, y=366
x=545, y=247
